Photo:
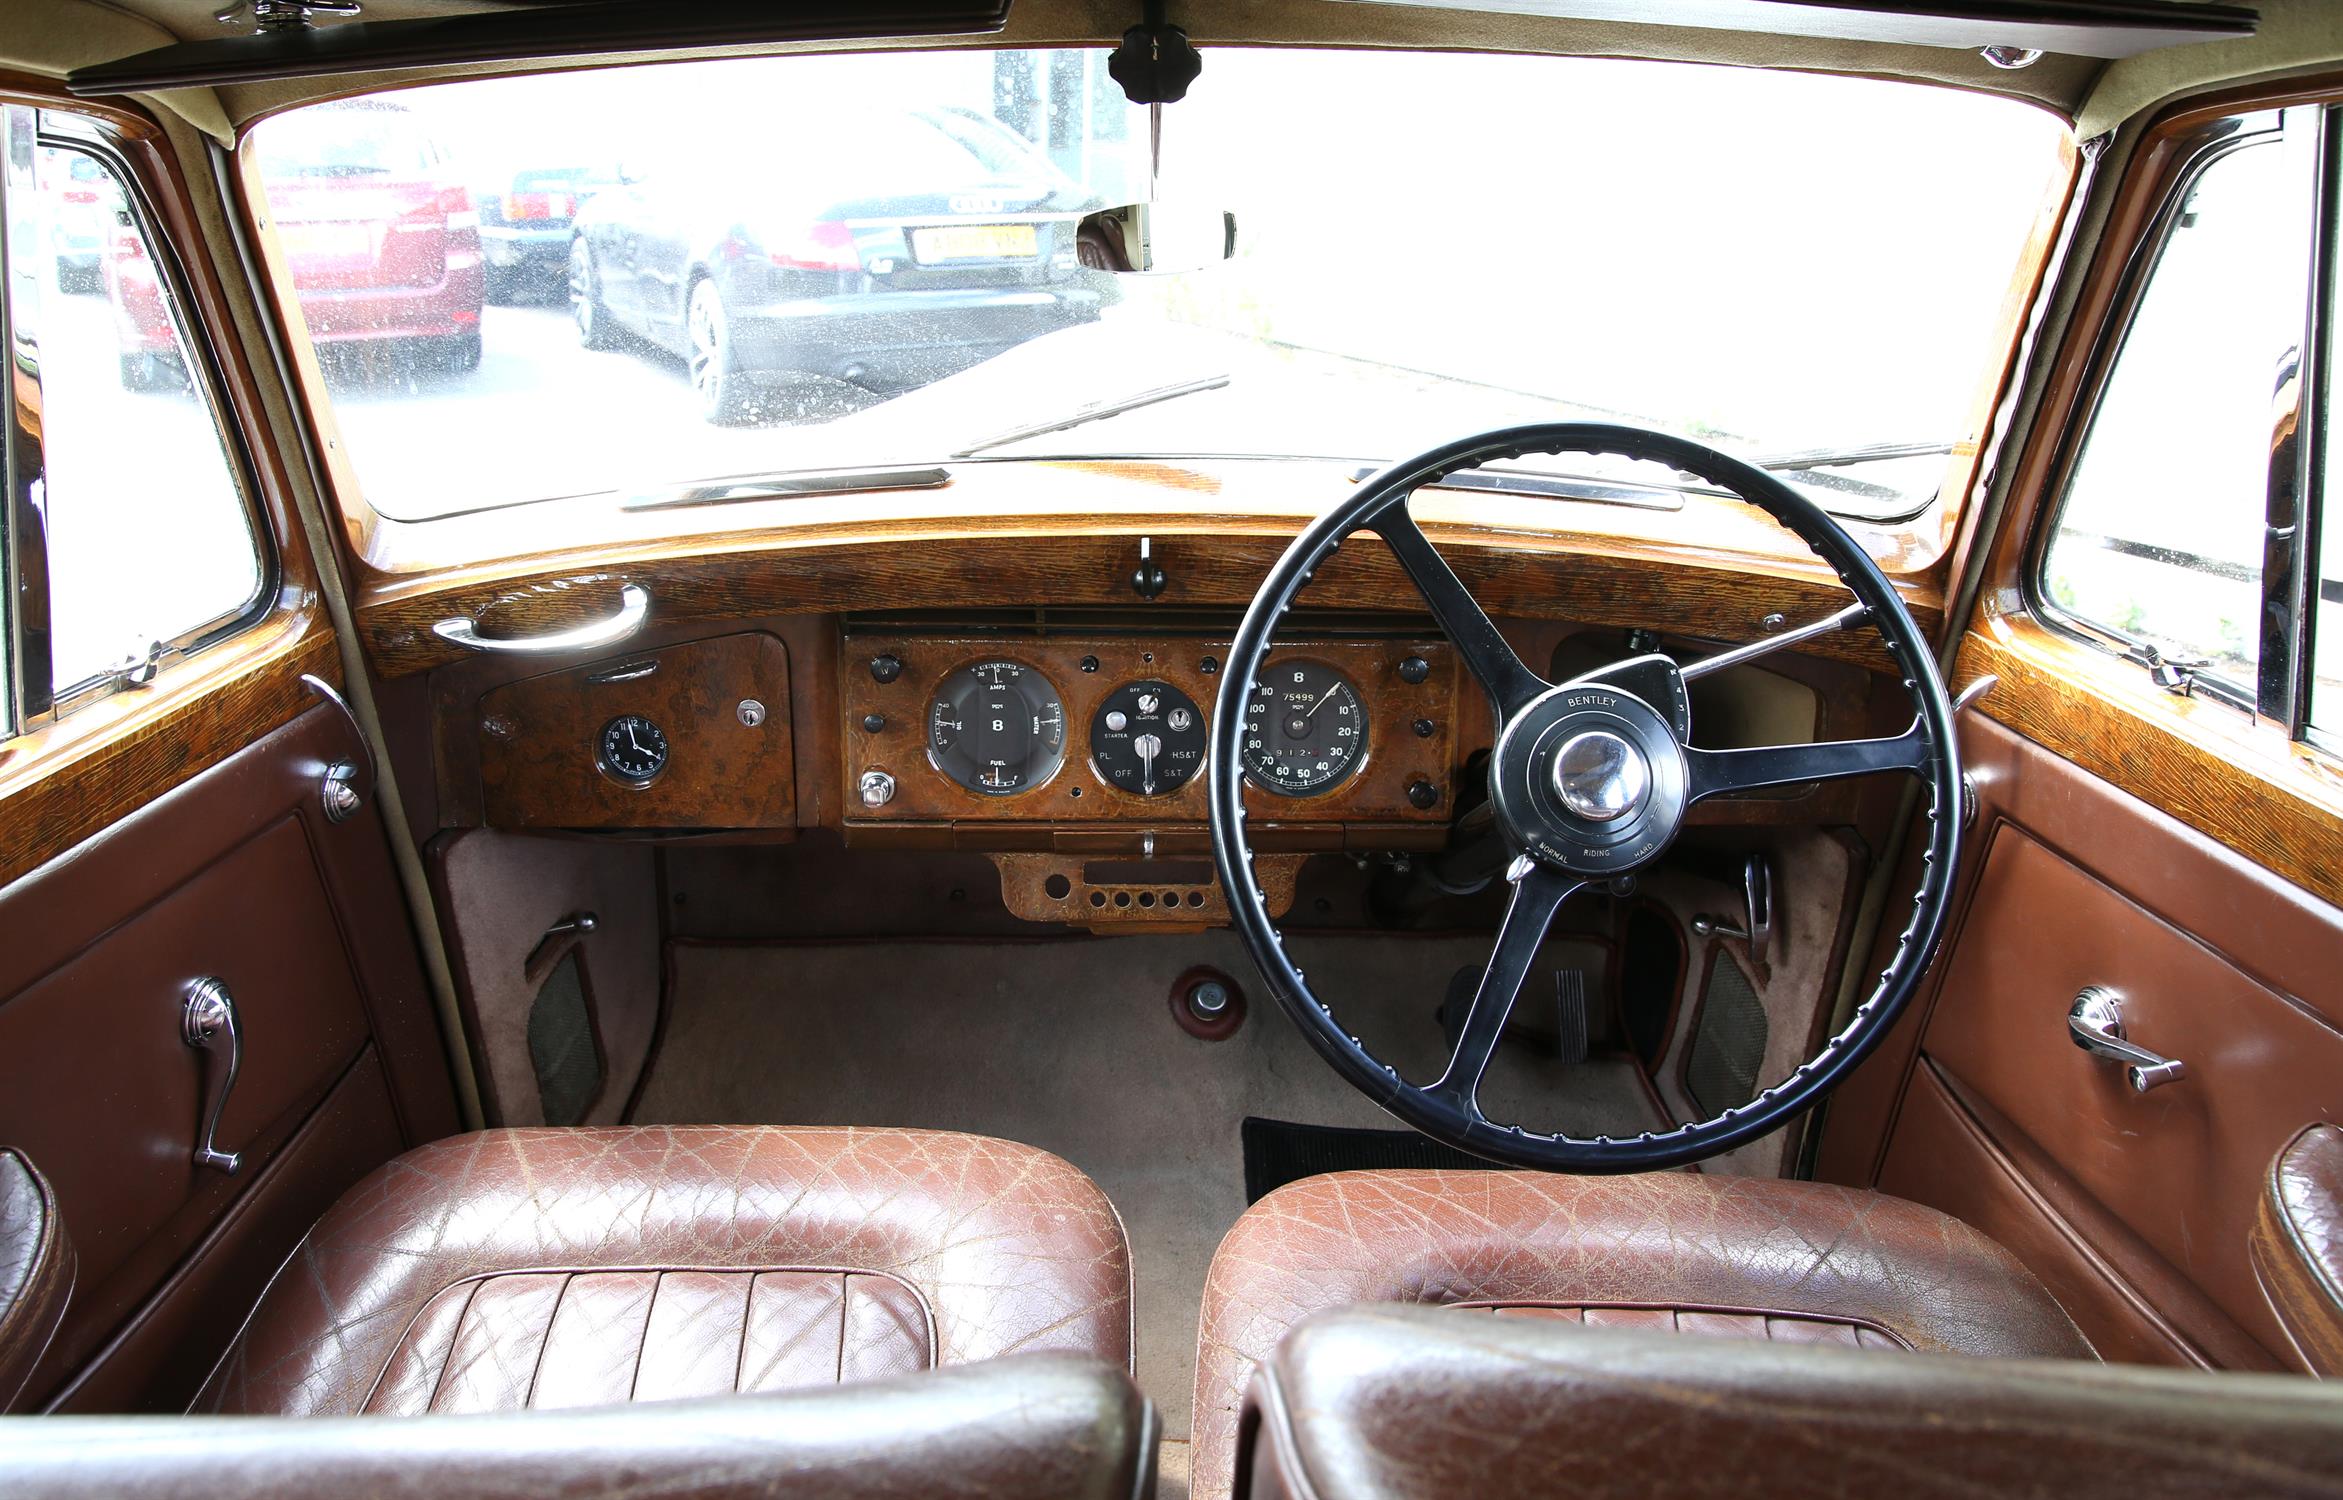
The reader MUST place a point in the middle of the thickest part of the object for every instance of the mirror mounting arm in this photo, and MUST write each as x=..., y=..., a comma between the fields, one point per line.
x=1156, y=62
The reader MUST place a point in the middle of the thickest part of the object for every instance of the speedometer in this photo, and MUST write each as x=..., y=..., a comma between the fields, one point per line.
x=997, y=728
x=1305, y=728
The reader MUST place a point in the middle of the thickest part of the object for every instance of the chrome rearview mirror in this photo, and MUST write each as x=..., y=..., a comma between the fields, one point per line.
x=1156, y=238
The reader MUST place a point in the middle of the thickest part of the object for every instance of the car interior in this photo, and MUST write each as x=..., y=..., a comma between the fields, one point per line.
x=1348, y=750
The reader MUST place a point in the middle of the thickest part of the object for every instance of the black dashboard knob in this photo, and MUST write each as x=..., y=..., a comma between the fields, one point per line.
x=886, y=668
x=1414, y=670
x=1422, y=793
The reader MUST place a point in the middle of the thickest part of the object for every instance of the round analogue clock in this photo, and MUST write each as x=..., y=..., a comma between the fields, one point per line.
x=632, y=750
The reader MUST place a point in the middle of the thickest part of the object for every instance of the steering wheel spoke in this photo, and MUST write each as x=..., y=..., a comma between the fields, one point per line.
x=1538, y=893
x=1591, y=781
x=1725, y=773
x=1511, y=685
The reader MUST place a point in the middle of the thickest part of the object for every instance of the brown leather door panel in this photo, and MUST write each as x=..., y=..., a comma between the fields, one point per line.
x=236, y=874
x=2137, y=1208
x=2182, y=1164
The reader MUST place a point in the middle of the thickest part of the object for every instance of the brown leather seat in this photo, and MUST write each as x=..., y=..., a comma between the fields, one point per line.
x=1035, y=1426
x=556, y=1268
x=1737, y=1257
x=1399, y=1403
x=36, y=1271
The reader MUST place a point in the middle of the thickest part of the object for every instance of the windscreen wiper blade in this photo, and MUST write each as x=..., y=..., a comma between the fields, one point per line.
x=1096, y=411
x=1798, y=462
x=784, y=483
x=1813, y=465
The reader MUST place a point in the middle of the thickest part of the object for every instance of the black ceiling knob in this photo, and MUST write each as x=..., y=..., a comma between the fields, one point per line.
x=1422, y=793
x=1414, y=669
x=886, y=668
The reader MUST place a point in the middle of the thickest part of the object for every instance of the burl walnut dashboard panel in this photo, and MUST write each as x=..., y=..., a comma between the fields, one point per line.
x=894, y=699
x=544, y=763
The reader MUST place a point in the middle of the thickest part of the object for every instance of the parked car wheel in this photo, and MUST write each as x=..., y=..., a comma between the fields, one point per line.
x=595, y=330
x=716, y=377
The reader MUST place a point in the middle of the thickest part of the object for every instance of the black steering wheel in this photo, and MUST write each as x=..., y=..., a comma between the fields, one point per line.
x=1589, y=781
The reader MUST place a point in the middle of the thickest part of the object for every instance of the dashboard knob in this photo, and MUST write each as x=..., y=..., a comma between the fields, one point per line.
x=886, y=668
x=1422, y=793
x=877, y=788
x=1414, y=670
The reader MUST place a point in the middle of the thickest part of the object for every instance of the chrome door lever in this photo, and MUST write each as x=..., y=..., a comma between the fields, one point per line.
x=634, y=607
x=2095, y=1022
x=207, y=1022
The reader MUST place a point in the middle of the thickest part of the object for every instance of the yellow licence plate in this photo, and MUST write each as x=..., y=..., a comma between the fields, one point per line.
x=975, y=242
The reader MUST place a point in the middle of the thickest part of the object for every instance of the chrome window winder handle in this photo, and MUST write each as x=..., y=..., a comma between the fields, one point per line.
x=207, y=1022
x=634, y=607
x=2095, y=1021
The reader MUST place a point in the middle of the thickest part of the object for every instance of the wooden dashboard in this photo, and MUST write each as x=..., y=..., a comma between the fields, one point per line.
x=1400, y=788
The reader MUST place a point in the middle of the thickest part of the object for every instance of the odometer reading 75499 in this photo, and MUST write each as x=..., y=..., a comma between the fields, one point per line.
x=1305, y=728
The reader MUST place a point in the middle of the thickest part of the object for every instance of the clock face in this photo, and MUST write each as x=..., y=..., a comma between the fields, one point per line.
x=633, y=750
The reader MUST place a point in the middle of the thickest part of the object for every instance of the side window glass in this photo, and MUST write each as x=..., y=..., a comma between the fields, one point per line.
x=2325, y=555
x=2160, y=540
x=2326, y=668
x=148, y=534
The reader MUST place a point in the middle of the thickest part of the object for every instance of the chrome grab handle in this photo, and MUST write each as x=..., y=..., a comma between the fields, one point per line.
x=207, y=1022
x=634, y=607
x=338, y=788
x=2095, y=1021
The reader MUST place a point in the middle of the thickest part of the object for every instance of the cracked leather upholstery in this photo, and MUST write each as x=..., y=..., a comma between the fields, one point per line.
x=1398, y=1403
x=1689, y=1244
x=36, y=1271
x=2298, y=1245
x=550, y=1268
x=1028, y=1427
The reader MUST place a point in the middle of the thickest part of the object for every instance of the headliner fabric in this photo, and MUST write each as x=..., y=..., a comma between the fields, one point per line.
x=2295, y=36
x=75, y=33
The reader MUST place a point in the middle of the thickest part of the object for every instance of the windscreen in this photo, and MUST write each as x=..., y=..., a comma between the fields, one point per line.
x=596, y=286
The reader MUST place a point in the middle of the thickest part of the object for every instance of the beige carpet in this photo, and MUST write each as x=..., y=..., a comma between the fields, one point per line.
x=1069, y=1045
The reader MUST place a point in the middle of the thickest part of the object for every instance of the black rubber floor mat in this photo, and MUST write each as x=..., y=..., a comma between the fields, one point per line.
x=1278, y=1152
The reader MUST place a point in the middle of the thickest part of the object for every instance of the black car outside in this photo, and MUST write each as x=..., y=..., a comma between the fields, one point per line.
x=525, y=222
x=905, y=248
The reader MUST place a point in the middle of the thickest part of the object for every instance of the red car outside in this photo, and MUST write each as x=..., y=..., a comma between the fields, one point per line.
x=378, y=231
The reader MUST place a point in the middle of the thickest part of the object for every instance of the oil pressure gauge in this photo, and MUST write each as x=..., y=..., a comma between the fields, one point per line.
x=1147, y=738
x=997, y=728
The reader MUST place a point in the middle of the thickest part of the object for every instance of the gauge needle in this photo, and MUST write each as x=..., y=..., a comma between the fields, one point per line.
x=630, y=739
x=1322, y=702
x=1149, y=747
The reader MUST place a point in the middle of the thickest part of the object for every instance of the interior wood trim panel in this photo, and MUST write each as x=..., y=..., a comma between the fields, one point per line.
x=1086, y=562
x=1376, y=792
x=2278, y=803
x=538, y=741
x=72, y=780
